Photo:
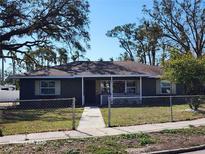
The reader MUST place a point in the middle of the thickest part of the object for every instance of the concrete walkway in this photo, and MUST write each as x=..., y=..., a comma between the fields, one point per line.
x=91, y=118
x=96, y=132
x=196, y=152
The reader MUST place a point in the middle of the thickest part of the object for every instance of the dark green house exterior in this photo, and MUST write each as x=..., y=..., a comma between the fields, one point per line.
x=93, y=83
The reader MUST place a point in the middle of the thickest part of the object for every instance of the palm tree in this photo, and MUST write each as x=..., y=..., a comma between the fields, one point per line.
x=111, y=59
x=46, y=56
x=124, y=57
x=76, y=56
x=28, y=59
x=3, y=58
x=50, y=57
x=63, y=56
x=14, y=59
x=100, y=59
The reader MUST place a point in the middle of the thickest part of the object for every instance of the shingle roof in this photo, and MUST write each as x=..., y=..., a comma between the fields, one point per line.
x=98, y=68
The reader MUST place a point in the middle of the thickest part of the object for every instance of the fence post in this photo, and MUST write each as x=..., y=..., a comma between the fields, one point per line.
x=73, y=113
x=109, y=112
x=171, y=110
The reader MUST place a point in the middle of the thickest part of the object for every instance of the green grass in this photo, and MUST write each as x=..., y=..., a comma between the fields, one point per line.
x=37, y=120
x=147, y=115
x=186, y=131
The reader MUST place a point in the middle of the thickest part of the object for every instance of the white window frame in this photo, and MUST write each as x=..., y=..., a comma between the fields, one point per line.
x=127, y=87
x=161, y=86
x=47, y=87
x=124, y=87
x=131, y=87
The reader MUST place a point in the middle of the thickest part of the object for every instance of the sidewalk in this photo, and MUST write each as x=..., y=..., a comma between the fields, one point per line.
x=96, y=132
x=91, y=118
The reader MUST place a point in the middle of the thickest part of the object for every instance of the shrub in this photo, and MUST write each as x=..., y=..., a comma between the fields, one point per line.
x=129, y=136
x=194, y=103
x=144, y=139
x=190, y=72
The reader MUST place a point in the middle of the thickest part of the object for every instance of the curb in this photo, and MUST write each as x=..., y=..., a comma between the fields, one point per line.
x=180, y=150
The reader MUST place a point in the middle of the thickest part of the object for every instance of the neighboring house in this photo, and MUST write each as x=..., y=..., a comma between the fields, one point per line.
x=91, y=82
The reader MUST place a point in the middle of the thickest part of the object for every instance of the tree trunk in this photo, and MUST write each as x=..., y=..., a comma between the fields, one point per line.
x=131, y=57
x=2, y=75
x=149, y=56
x=163, y=55
x=144, y=56
x=153, y=56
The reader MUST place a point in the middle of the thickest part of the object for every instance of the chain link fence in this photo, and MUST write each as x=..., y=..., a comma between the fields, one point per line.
x=153, y=109
x=38, y=115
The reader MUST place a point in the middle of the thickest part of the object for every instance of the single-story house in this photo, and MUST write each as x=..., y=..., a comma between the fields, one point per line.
x=93, y=82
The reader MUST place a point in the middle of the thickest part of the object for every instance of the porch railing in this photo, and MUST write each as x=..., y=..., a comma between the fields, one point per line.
x=105, y=97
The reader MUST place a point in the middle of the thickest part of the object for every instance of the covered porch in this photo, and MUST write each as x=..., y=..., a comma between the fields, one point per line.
x=97, y=90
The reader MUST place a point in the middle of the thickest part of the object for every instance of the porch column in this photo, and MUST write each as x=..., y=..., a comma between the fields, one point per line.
x=83, y=97
x=140, y=88
x=111, y=87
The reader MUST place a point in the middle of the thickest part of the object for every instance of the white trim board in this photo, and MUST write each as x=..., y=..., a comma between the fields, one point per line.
x=85, y=76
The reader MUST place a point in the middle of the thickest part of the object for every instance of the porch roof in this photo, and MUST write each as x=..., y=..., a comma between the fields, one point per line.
x=95, y=69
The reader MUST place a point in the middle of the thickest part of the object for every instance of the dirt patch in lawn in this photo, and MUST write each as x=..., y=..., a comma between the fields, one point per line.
x=170, y=141
x=129, y=143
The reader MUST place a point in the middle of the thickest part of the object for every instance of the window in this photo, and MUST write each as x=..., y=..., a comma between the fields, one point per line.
x=118, y=87
x=165, y=87
x=105, y=87
x=131, y=87
x=47, y=87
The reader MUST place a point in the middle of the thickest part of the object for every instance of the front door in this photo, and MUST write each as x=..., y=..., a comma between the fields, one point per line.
x=90, y=92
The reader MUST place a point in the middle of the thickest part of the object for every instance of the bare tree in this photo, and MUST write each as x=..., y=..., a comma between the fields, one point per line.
x=147, y=37
x=139, y=42
x=124, y=34
x=183, y=24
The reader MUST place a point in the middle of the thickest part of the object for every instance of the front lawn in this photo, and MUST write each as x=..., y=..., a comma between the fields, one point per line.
x=37, y=120
x=128, y=143
x=126, y=116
